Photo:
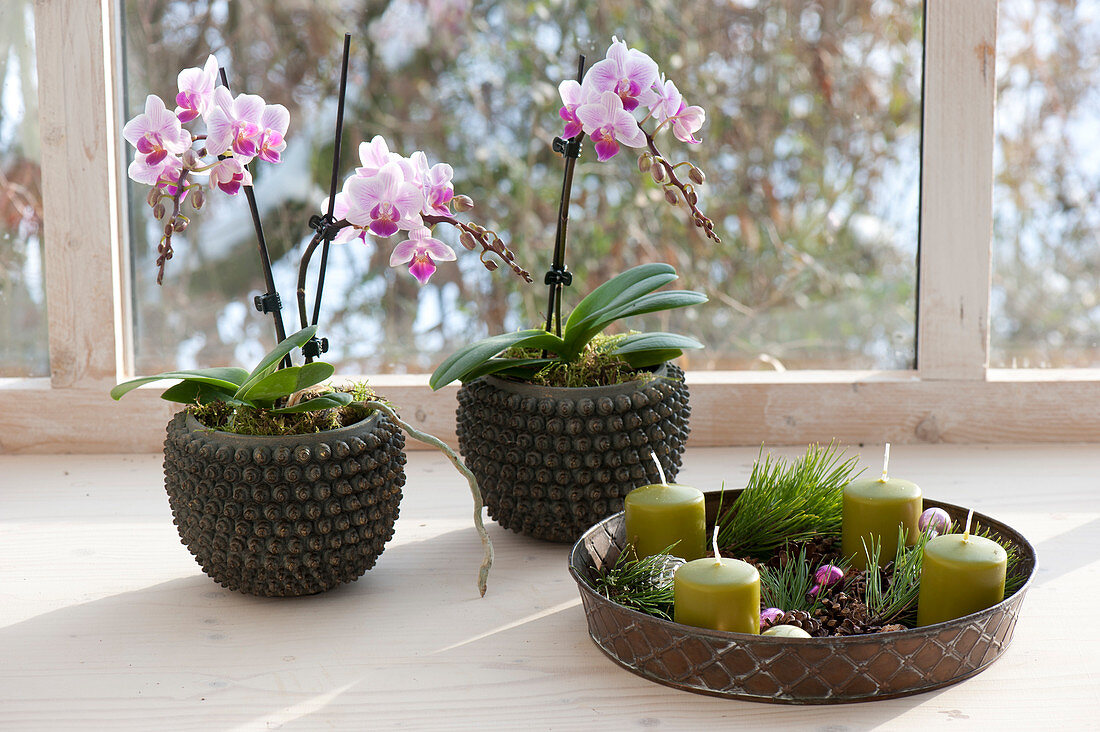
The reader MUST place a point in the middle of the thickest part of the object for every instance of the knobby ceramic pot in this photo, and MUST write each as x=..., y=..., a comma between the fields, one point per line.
x=552, y=461
x=830, y=670
x=284, y=516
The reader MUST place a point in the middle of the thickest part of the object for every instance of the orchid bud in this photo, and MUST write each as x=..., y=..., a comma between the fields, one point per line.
x=153, y=197
x=696, y=176
x=489, y=264
x=691, y=197
x=462, y=203
x=191, y=159
x=169, y=229
x=935, y=520
x=670, y=196
x=770, y=616
x=826, y=576
x=158, y=211
x=658, y=173
x=179, y=224
x=198, y=198
x=468, y=241
x=645, y=162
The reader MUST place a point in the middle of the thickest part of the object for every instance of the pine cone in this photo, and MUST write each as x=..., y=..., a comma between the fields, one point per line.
x=822, y=550
x=801, y=619
x=891, y=627
x=842, y=614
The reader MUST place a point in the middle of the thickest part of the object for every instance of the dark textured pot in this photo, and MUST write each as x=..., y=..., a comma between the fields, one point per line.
x=284, y=516
x=552, y=461
x=833, y=670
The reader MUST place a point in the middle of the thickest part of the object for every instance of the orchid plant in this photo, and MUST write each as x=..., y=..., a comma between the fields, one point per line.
x=387, y=194
x=611, y=104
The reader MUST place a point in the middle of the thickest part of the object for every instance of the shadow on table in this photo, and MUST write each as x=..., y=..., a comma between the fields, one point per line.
x=1066, y=552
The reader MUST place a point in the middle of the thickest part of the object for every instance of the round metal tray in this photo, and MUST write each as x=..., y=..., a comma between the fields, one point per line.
x=793, y=671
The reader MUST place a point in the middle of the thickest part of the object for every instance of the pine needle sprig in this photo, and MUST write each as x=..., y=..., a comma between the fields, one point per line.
x=896, y=601
x=788, y=502
x=788, y=586
x=645, y=584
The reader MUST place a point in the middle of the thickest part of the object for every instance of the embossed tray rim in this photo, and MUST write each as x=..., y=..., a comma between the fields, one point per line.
x=613, y=529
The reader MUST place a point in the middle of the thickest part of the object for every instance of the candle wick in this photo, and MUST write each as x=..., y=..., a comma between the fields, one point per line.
x=714, y=541
x=966, y=531
x=885, y=463
x=660, y=470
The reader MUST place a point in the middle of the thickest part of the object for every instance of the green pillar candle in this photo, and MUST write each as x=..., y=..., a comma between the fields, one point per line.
x=663, y=515
x=960, y=574
x=874, y=509
x=722, y=594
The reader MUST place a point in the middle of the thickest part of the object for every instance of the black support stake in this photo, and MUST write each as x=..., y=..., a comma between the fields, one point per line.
x=269, y=302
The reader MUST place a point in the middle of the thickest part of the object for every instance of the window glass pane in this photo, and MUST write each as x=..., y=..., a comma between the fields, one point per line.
x=22, y=290
x=811, y=150
x=1046, y=237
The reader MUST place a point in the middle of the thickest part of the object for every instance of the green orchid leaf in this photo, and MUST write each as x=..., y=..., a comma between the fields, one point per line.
x=508, y=366
x=650, y=303
x=460, y=364
x=609, y=291
x=270, y=362
x=644, y=359
x=638, y=342
x=657, y=301
x=579, y=332
x=197, y=392
x=285, y=382
x=224, y=378
x=325, y=401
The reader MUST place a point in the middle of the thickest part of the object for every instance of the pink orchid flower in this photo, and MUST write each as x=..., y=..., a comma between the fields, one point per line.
x=572, y=96
x=274, y=121
x=235, y=124
x=686, y=122
x=168, y=179
x=608, y=124
x=156, y=134
x=340, y=211
x=434, y=182
x=141, y=171
x=229, y=175
x=666, y=101
x=419, y=250
x=196, y=90
x=374, y=155
x=383, y=203
x=627, y=72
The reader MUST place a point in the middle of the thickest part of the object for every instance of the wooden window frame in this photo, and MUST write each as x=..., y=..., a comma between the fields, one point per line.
x=951, y=396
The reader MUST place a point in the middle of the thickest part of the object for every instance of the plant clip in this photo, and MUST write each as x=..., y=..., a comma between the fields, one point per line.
x=558, y=276
x=314, y=347
x=268, y=303
x=323, y=225
x=570, y=148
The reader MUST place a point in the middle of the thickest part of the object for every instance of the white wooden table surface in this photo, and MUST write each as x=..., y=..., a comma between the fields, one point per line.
x=106, y=622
